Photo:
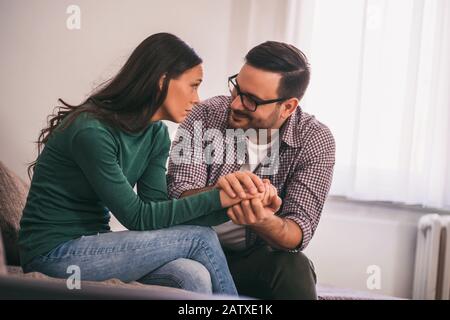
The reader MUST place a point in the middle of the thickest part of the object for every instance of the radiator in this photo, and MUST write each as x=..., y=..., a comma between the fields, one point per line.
x=432, y=264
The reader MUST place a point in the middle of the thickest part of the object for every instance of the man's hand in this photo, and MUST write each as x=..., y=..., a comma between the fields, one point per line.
x=257, y=211
x=259, y=214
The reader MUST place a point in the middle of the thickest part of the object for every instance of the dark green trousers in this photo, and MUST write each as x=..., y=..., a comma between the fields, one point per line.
x=265, y=273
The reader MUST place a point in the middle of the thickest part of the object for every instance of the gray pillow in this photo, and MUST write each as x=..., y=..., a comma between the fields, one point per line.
x=13, y=196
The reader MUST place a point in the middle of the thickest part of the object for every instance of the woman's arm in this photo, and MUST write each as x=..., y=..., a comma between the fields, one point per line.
x=95, y=152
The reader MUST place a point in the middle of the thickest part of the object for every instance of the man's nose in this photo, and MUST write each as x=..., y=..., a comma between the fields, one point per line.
x=236, y=104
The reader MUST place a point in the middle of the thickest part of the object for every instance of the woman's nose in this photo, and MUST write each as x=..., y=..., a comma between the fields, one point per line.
x=196, y=98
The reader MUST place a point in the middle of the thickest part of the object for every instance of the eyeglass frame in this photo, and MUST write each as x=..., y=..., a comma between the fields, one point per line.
x=241, y=94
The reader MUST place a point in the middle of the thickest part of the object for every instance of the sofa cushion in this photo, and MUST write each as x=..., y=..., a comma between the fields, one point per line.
x=18, y=272
x=13, y=196
x=154, y=291
x=2, y=257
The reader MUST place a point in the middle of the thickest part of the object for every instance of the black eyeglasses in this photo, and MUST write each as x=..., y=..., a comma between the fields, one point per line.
x=248, y=102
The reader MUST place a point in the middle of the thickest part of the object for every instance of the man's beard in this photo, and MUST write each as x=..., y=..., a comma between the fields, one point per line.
x=239, y=120
x=246, y=121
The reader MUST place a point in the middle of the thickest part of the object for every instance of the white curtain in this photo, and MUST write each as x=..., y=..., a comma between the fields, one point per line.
x=381, y=82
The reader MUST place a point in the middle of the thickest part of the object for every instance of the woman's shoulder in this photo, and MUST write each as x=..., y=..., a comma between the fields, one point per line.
x=85, y=130
x=160, y=128
x=160, y=136
x=87, y=123
x=86, y=120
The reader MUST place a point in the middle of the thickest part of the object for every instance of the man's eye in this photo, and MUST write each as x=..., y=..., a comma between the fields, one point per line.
x=255, y=101
x=250, y=99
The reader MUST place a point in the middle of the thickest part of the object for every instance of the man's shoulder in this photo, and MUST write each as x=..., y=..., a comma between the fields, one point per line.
x=217, y=102
x=310, y=122
x=308, y=128
x=314, y=132
x=212, y=111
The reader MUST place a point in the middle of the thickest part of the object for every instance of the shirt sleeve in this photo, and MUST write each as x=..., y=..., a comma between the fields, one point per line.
x=95, y=151
x=186, y=170
x=210, y=220
x=306, y=191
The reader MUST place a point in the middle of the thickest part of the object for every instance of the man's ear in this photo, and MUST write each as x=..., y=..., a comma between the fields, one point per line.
x=289, y=106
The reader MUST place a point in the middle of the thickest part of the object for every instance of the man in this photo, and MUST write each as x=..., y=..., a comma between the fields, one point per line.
x=263, y=244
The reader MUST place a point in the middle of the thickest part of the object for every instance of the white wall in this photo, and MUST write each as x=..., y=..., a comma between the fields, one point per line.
x=352, y=236
x=41, y=60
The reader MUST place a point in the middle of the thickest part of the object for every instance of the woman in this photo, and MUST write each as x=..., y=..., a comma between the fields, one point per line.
x=93, y=156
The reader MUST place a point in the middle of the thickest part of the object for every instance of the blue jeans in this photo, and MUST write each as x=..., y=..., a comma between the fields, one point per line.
x=187, y=257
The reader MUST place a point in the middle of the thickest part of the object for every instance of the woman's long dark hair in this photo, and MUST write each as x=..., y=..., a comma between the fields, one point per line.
x=131, y=98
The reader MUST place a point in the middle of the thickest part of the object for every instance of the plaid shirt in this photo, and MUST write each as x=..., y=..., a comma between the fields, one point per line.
x=305, y=170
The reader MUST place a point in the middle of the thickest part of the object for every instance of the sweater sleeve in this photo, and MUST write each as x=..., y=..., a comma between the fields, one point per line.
x=152, y=185
x=95, y=152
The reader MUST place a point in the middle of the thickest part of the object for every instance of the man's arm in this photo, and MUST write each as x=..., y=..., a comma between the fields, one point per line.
x=306, y=192
x=186, y=172
x=278, y=232
x=281, y=233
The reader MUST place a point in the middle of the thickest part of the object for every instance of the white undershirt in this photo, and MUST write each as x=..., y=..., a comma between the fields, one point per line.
x=232, y=236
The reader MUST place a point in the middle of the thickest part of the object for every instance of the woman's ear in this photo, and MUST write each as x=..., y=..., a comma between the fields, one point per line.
x=161, y=81
x=290, y=106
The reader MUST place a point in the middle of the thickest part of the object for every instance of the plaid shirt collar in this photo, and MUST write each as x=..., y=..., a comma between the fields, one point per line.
x=287, y=131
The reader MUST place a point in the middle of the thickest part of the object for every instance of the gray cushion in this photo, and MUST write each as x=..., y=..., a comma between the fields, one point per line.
x=13, y=196
x=17, y=271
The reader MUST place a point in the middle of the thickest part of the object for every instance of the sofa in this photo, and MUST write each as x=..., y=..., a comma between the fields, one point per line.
x=14, y=284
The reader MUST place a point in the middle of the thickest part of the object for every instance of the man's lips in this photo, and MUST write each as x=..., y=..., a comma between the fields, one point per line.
x=238, y=115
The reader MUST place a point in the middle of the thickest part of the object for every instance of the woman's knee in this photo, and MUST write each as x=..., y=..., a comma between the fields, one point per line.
x=196, y=276
x=184, y=274
x=206, y=236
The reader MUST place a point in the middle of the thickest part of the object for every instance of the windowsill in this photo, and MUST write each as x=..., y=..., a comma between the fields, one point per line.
x=388, y=205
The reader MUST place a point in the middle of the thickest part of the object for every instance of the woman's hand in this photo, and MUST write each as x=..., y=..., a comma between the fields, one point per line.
x=226, y=201
x=267, y=197
x=241, y=184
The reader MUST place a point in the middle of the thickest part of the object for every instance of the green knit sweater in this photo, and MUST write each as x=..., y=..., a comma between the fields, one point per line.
x=89, y=169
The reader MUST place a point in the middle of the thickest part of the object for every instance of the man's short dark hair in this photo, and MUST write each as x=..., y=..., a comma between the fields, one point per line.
x=286, y=60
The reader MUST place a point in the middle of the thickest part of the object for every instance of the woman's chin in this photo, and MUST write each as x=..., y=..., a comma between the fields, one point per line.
x=178, y=119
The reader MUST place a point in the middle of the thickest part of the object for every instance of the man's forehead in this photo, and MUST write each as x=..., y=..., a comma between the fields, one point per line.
x=261, y=83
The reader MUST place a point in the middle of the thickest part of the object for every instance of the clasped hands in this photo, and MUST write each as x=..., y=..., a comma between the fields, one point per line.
x=250, y=200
